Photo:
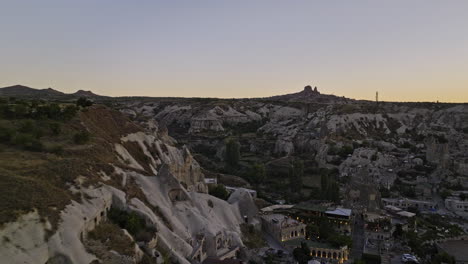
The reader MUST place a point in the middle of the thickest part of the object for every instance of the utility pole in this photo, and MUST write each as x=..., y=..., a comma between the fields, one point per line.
x=377, y=97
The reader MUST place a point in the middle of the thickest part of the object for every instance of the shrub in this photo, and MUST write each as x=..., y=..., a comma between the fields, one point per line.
x=55, y=128
x=232, y=152
x=81, y=137
x=113, y=238
x=28, y=142
x=219, y=191
x=345, y=151
x=84, y=102
x=210, y=203
x=69, y=112
x=6, y=134
x=56, y=149
x=133, y=223
x=338, y=240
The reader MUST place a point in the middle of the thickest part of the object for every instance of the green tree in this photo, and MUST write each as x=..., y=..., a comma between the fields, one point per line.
x=81, y=137
x=443, y=258
x=296, y=172
x=325, y=228
x=398, y=233
x=462, y=196
x=312, y=231
x=300, y=256
x=6, y=134
x=55, y=128
x=84, y=102
x=306, y=250
x=338, y=240
x=257, y=173
x=445, y=193
x=69, y=112
x=219, y=191
x=323, y=184
x=54, y=111
x=21, y=111
x=232, y=153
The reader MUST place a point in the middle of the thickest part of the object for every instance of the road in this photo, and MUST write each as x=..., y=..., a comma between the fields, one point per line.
x=358, y=237
x=396, y=260
x=273, y=243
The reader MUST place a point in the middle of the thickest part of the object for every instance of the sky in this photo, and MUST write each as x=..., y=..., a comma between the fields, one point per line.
x=406, y=50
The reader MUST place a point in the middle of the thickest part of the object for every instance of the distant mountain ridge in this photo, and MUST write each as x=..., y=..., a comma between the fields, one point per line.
x=25, y=91
x=308, y=95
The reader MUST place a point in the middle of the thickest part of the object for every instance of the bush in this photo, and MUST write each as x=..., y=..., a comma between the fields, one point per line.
x=133, y=223
x=69, y=112
x=113, y=238
x=6, y=134
x=219, y=191
x=84, y=102
x=28, y=142
x=337, y=240
x=232, y=152
x=345, y=151
x=55, y=128
x=81, y=137
x=371, y=259
x=56, y=149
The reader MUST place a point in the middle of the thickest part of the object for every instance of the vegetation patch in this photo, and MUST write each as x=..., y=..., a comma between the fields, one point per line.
x=133, y=223
x=113, y=238
x=219, y=191
x=251, y=237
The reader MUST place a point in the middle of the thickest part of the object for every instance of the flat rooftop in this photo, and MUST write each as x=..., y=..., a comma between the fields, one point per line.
x=281, y=220
x=276, y=207
x=310, y=206
x=340, y=212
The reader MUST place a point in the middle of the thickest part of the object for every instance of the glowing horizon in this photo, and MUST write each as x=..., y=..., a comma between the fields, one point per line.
x=407, y=51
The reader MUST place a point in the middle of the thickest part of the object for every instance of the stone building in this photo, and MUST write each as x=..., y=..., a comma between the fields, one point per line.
x=341, y=219
x=283, y=228
x=455, y=204
x=198, y=244
x=322, y=251
x=408, y=203
x=220, y=246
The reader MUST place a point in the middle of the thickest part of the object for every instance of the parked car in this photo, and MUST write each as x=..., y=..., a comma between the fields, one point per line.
x=408, y=258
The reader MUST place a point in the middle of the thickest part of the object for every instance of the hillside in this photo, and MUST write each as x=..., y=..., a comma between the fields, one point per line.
x=21, y=91
x=329, y=137
x=81, y=180
x=61, y=179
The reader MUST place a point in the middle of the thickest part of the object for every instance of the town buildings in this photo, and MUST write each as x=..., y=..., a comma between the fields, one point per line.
x=322, y=251
x=406, y=203
x=455, y=204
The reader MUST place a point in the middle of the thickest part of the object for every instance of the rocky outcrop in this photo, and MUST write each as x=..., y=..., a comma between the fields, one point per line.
x=437, y=152
x=149, y=176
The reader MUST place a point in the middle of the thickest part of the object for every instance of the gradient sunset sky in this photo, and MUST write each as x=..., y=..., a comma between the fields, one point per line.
x=413, y=50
